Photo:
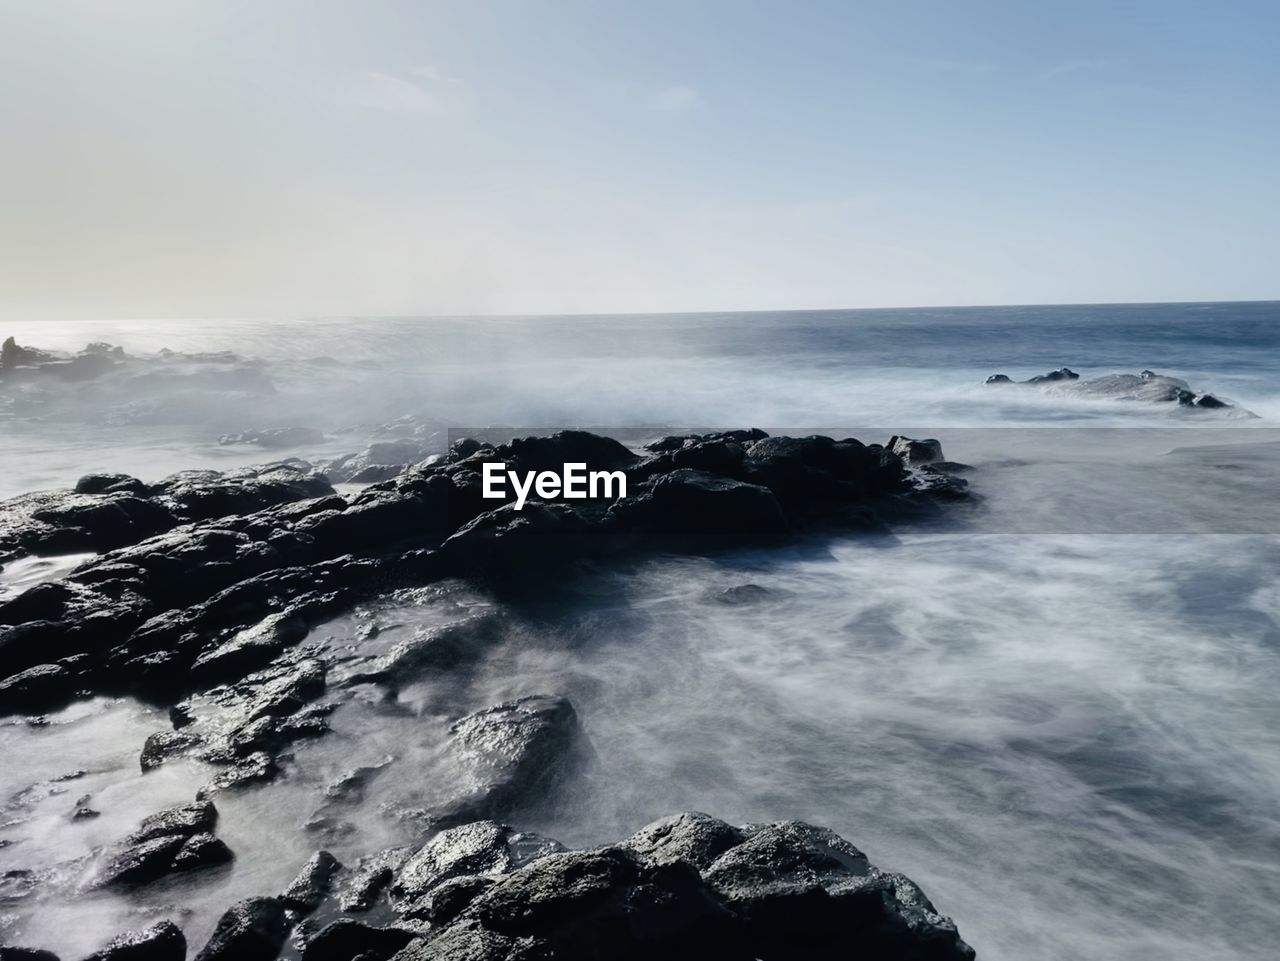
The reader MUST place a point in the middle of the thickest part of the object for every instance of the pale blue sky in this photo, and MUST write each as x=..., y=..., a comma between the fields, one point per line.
x=225, y=157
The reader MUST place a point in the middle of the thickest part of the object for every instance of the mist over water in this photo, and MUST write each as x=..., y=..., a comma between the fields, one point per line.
x=1054, y=709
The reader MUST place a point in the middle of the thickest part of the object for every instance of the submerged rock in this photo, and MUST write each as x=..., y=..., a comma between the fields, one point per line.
x=1145, y=387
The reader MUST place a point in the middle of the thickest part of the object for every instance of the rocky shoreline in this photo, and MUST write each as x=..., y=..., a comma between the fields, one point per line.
x=202, y=592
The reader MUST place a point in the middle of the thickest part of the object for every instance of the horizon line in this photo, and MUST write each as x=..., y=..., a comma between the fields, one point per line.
x=461, y=315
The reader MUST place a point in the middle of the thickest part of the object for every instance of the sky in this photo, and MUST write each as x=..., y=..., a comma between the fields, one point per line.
x=246, y=158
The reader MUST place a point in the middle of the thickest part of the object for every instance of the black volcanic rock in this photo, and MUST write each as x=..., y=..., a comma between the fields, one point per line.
x=692, y=887
x=12, y=953
x=160, y=942
x=172, y=841
x=248, y=562
x=347, y=939
x=478, y=848
x=250, y=930
x=306, y=892
x=511, y=754
x=689, y=503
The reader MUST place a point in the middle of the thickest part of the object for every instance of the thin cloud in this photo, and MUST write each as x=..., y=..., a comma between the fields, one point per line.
x=419, y=90
x=674, y=99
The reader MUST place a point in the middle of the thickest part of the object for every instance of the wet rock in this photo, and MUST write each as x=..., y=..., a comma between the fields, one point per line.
x=510, y=547
x=185, y=820
x=371, y=877
x=692, y=836
x=109, y=483
x=82, y=810
x=306, y=892
x=347, y=939
x=482, y=847
x=13, y=355
x=251, y=930
x=688, y=503
x=160, y=942
x=162, y=745
x=801, y=889
x=470, y=942
x=1062, y=373
x=999, y=379
x=43, y=687
x=513, y=753
x=257, y=768
x=566, y=447
x=607, y=904
x=12, y=953
x=257, y=558
x=442, y=648
x=178, y=839
x=691, y=887
x=205, y=494
x=916, y=452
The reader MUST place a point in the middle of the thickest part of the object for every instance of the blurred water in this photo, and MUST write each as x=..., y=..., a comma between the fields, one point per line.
x=1054, y=710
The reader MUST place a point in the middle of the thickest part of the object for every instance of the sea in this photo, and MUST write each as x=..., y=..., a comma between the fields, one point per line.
x=1053, y=706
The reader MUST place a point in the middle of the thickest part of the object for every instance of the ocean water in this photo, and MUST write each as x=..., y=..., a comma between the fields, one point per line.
x=1054, y=708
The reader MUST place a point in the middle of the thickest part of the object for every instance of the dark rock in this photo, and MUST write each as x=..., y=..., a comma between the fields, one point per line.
x=470, y=942
x=347, y=939
x=606, y=904
x=371, y=877
x=510, y=546
x=201, y=850
x=1062, y=373
x=160, y=942
x=482, y=847
x=11, y=953
x=512, y=754
x=688, y=503
x=999, y=379
x=1209, y=401
x=82, y=811
x=162, y=745
x=38, y=688
x=12, y=355
x=306, y=892
x=186, y=820
x=251, y=930
x=684, y=888
x=103, y=483
x=693, y=837
x=916, y=452
x=566, y=447
x=250, y=561
x=172, y=841
x=802, y=889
